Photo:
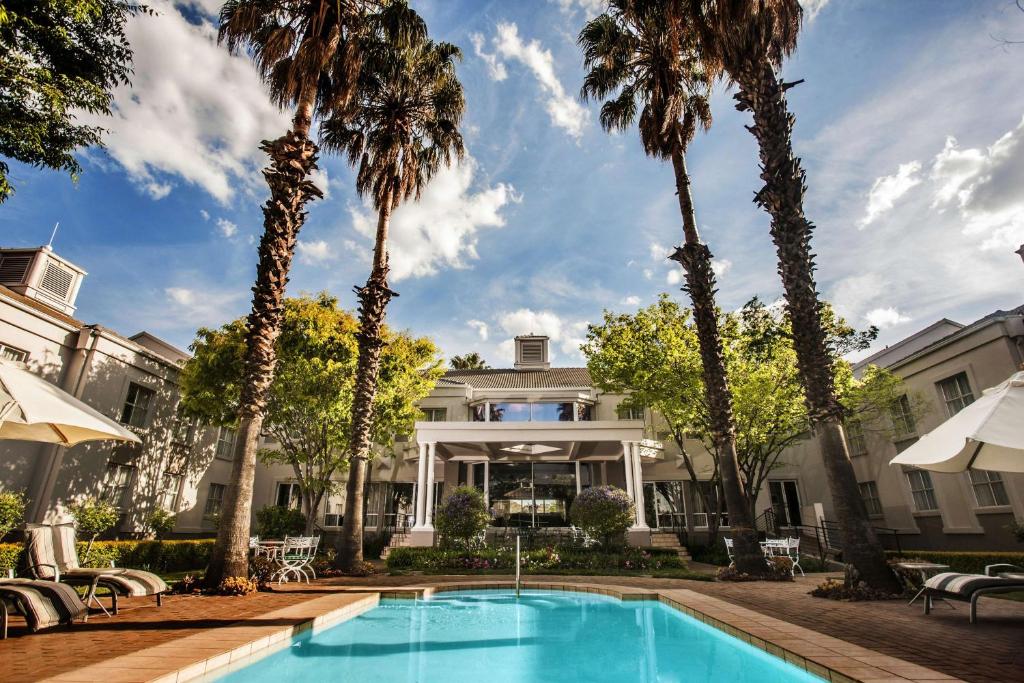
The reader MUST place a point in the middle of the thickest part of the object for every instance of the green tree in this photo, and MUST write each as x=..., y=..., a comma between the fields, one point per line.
x=309, y=407
x=748, y=41
x=469, y=361
x=160, y=522
x=12, y=511
x=462, y=516
x=405, y=127
x=643, y=62
x=92, y=518
x=604, y=512
x=57, y=58
x=310, y=54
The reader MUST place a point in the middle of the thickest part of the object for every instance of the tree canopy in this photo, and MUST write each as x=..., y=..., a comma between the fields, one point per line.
x=58, y=57
x=310, y=406
x=469, y=361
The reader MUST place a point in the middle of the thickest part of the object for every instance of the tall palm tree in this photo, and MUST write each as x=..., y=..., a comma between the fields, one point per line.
x=308, y=53
x=404, y=128
x=640, y=55
x=469, y=361
x=748, y=40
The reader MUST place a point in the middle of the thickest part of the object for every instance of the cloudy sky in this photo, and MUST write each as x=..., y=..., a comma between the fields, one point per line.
x=909, y=123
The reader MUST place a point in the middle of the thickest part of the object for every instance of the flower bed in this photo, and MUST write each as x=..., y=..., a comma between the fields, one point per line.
x=541, y=561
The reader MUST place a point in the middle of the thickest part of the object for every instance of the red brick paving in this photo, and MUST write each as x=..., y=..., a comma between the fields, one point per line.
x=992, y=650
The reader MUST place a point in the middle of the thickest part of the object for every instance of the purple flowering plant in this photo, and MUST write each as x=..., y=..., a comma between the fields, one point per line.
x=604, y=512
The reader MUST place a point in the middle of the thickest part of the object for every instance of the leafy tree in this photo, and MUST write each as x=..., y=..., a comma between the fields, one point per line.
x=12, y=511
x=748, y=41
x=404, y=128
x=309, y=407
x=161, y=522
x=58, y=57
x=278, y=521
x=643, y=60
x=469, y=361
x=310, y=54
x=462, y=516
x=92, y=518
x=654, y=355
x=604, y=512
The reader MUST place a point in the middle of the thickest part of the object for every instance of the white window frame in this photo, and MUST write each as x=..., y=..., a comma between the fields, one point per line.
x=219, y=500
x=922, y=487
x=294, y=494
x=902, y=416
x=185, y=427
x=170, y=494
x=132, y=405
x=13, y=353
x=992, y=482
x=960, y=395
x=117, y=484
x=856, y=439
x=872, y=500
x=630, y=413
x=430, y=414
x=222, y=440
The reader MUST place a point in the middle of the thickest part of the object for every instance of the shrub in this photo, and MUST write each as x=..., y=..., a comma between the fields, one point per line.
x=461, y=516
x=187, y=585
x=604, y=512
x=710, y=554
x=261, y=569
x=92, y=518
x=533, y=561
x=850, y=588
x=12, y=511
x=237, y=585
x=160, y=556
x=161, y=522
x=963, y=562
x=779, y=569
x=278, y=521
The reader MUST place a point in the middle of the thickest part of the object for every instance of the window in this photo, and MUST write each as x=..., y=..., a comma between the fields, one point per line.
x=289, y=495
x=956, y=392
x=214, y=498
x=117, y=484
x=855, y=439
x=435, y=414
x=185, y=428
x=922, y=490
x=11, y=353
x=631, y=412
x=170, y=486
x=903, y=417
x=869, y=492
x=225, y=443
x=136, y=405
x=989, y=489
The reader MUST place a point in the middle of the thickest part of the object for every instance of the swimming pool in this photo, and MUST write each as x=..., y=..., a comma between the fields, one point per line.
x=493, y=637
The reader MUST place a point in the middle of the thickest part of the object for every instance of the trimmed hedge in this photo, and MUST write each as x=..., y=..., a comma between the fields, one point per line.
x=963, y=562
x=158, y=556
x=534, y=561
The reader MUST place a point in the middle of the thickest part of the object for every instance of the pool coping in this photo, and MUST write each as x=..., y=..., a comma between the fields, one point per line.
x=205, y=656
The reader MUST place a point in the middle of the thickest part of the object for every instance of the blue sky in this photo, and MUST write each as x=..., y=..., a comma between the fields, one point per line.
x=909, y=123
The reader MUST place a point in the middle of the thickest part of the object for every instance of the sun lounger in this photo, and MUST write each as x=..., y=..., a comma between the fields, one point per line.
x=42, y=603
x=971, y=587
x=52, y=556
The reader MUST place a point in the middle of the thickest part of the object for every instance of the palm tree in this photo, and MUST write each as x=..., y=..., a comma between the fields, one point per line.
x=469, y=361
x=640, y=55
x=308, y=53
x=748, y=41
x=404, y=127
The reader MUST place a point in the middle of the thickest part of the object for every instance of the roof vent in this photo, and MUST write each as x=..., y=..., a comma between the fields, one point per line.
x=532, y=353
x=41, y=275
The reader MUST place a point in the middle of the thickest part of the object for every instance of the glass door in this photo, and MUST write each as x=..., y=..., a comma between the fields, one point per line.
x=532, y=494
x=664, y=506
x=785, y=502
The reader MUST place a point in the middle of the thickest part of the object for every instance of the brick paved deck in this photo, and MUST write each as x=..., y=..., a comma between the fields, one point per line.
x=993, y=650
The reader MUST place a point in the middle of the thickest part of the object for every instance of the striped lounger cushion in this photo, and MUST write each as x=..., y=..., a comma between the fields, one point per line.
x=964, y=585
x=43, y=603
x=131, y=582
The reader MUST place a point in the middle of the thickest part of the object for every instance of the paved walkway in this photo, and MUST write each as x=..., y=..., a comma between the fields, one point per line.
x=993, y=650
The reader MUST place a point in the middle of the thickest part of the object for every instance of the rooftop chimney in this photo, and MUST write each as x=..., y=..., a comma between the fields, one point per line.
x=532, y=352
x=40, y=274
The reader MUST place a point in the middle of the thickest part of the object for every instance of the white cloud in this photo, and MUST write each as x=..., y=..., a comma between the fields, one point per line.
x=674, y=276
x=721, y=266
x=226, y=227
x=442, y=228
x=659, y=252
x=812, y=8
x=648, y=274
x=193, y=111
x=566, y=335
x=887, y=189
x=885, y=317
x=563, y=109
x=205, y=214
x=631, y=301
x=314, y=253
x=323, y=183
x=589, y=8
x=480, y=326
x=202, y=307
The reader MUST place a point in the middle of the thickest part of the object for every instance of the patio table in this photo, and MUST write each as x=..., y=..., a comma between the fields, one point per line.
x=269, y=549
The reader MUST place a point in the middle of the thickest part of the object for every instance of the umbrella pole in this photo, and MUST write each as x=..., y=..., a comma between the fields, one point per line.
x=977, y=450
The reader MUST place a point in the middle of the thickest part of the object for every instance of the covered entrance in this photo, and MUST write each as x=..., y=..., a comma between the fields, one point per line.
x=534, y=494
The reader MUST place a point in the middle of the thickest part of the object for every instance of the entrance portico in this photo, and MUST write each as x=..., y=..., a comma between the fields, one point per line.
x=530, y=471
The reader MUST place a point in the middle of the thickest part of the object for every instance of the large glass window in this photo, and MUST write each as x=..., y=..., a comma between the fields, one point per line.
x=214, y=499
x=543, y=411
x=903, y=417
x=117, y=484
x=11, y=353
x=533, y=494
x=989, y=489
x=664, y=506
x=923, y=491
x=869, y=492
x=855, y=438
x=630, y=412
x=225, y=443
x=136, y=405
x=289, y=495
x=434, y=414
x=956, y=393
x=170, y=486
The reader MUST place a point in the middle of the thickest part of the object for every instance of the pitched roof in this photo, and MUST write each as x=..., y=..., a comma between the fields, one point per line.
x=507, y=378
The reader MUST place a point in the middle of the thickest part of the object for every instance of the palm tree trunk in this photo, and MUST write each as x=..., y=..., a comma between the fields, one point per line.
x=373, y=300
x=695, y=258
x=292, y=158
x=763, y=94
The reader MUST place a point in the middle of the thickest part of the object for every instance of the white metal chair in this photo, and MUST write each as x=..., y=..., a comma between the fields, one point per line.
x=729, y=551
x=296, y=558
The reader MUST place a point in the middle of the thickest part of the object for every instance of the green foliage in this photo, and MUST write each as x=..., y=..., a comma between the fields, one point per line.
x=161, y=522
x=963, y=562
x=92, y=518
x=539, y=561
x=163, y=556
x=469, y=361
x=604, y=512
x=12, y=511
x=278, y=521
x=462, y=516
x=58, y=59
x=310, y=407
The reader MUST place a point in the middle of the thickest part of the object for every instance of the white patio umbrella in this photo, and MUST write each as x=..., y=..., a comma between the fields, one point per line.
x=32, y=409
x=986, y=435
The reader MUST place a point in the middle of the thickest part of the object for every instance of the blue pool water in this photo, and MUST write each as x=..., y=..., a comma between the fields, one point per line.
x=491, y=637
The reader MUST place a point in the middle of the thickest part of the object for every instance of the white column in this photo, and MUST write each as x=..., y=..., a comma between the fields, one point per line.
x=428, y=512
x=487, y=484
x=638, y=486
x=579, y=484
x=627, y=464
x=421, y=486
